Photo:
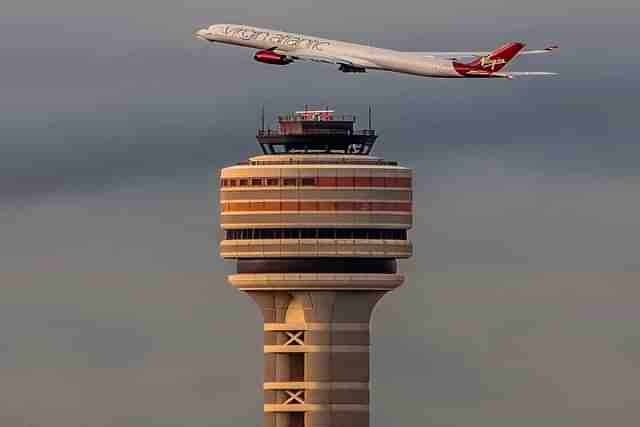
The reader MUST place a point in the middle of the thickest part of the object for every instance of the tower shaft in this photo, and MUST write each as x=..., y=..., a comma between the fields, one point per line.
x=316, y=357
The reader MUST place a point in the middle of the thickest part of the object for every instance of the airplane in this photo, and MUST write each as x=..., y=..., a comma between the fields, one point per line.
x=281, y=48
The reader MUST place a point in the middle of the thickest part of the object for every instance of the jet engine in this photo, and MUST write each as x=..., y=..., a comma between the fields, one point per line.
x=270, y=57
x=351, y=69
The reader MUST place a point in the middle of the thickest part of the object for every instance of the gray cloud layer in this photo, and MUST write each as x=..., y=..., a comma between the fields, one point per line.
x=115, y=312
x=521, y=302
x=115, y=92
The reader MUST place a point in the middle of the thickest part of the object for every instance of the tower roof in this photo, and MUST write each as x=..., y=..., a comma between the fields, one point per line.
x=316, y=132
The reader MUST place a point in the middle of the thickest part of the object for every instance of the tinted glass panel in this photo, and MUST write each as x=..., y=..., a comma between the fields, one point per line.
x=360, y=234
x=308, y=233
x=344, y=233
x=290, y=233
x=316, y=233
x=326, y=233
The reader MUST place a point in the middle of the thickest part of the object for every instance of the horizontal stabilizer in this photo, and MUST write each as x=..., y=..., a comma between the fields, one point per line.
x=529, y=73
x=459, y=56
x=547, y=49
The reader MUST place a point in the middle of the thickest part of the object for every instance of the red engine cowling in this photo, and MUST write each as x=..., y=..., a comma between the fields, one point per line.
x=270, y=57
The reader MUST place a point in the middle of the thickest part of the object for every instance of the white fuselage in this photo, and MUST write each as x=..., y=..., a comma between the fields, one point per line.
x=365, y=56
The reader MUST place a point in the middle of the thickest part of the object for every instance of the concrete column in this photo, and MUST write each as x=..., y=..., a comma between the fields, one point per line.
x=327, y=331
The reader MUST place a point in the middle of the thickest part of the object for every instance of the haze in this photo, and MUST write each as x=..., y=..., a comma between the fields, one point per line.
x=521, y=304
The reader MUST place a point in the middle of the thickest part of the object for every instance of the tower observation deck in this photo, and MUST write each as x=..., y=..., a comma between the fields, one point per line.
x=316, y=132
x=315, y=225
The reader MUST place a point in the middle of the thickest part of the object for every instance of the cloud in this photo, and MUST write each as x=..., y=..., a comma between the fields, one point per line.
x=519, y=307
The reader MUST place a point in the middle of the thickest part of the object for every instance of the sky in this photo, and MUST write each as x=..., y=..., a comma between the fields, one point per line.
x=521, y=302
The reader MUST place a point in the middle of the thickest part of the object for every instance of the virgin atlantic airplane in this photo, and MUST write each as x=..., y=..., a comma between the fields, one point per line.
x=280, y=48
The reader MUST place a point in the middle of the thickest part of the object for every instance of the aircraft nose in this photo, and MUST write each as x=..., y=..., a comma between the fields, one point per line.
x=202, y=34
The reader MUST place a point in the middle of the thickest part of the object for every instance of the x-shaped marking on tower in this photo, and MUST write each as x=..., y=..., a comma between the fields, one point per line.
x=294, y=397
x=295, y=338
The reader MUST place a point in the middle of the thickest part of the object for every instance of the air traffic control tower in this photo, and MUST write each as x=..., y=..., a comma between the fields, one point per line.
x=316, y=224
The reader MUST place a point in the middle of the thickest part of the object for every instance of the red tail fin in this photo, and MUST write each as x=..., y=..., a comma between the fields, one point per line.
x=491, y=63
x=497, y=59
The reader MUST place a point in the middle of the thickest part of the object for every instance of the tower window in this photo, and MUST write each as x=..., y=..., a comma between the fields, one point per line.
x=326, y=233
x=290, y=233
x=308, y=233
x=360, y=234
x=344, y=233
x=316, y=233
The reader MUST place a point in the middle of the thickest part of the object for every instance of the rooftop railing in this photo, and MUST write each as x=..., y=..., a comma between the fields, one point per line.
x=325, y=161
x=280, y=132
x=294, y=117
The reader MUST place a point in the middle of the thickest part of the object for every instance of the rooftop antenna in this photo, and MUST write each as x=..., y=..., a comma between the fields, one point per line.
x=262, y=116
x=370, y=118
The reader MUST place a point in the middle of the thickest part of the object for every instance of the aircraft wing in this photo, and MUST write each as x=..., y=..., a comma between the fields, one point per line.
x=342, y=61
x=461, y=55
